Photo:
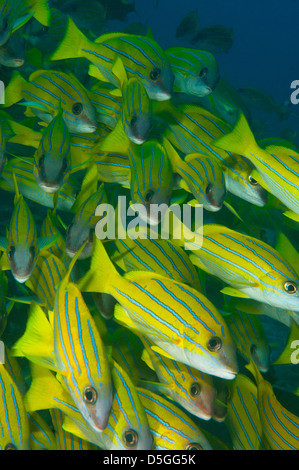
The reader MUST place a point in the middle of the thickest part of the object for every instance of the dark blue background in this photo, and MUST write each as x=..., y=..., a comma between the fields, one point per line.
x=265, y=53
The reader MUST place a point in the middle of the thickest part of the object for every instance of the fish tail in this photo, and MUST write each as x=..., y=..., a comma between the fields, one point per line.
x=38, y=396
x=102, y=274
x=240, y=140
x=42, y=12
x=37, y=342
x=72, y=43
x=14, y=90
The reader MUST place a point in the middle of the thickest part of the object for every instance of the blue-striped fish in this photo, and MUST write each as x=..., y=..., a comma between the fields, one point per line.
x=195, y=72
x=201, y=175
x=43, y=93
x=193, y=129
x=171, y=428
x=251, y=267
x=81, y=230
x=78, y=354
x=280, y=426
x=141, y=55
x=14, y=434
x=127, y=427
x=28, y=186
x=136, y=114
x=243, y=420
x=151, y=176
x=225, y=102
x=127, y=350
x=16, y=14
x=185, y=385
x=183, y=323
x=65, y=440
x=249, y=336
x=277, y=167
x=41, y=434
x=252, y=307
x=52, y=160
x=47, y=274
x=22, y=246
x=158, y=255
x=108, y=107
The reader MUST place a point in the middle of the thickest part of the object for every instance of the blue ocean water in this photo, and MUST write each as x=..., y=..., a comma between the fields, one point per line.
x=265, y=50
x=264, y=55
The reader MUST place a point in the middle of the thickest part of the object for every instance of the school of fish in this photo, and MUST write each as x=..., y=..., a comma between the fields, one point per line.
x=146, y=342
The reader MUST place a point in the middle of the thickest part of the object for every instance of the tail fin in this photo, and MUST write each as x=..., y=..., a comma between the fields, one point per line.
x=44, y=390
x=13, y=92
x=37, y=342
x=102, y=274
x=240, y=140
x=42, y=12
x=72, y=43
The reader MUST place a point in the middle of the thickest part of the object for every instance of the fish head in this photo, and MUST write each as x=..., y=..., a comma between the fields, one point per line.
x=50, y=172
x=136, y=111
x=239, y=181
x=78, y=233
x=130, y=429
x=216, y=356
x=207, y=183
x=81, y=116
x=22, y=247
x=200, y=394
x=260, y=353
x=95, y=405
x=159, y=84
x=214, y=196
x=151, y=183
x=283, y=293
x=22, y=260
x=195, y=85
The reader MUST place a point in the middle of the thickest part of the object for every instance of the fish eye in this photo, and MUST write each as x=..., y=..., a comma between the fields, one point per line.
x=155, y=73
x=195, y=389
x=32, y=251
x=290, y=287
x=253, y=349
x=149, y=195
x=214, y=344
x=252, y=180
x=130, y=438
x=11, y=252
x=41, y=160
x=133, y=121
x=77, y=108
x=194, y=446
x=10, y=447
x=209, y=189
x=203, y=72
x=90, y=395
x=44, y=29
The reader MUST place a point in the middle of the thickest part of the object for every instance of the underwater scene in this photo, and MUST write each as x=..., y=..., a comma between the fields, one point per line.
x=149, y=217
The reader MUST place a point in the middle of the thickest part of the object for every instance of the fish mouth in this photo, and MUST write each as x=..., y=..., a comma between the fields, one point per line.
x=21, y=278
x=137, y=140
x=86, y=253
x=49, y=187
x=227, y=374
